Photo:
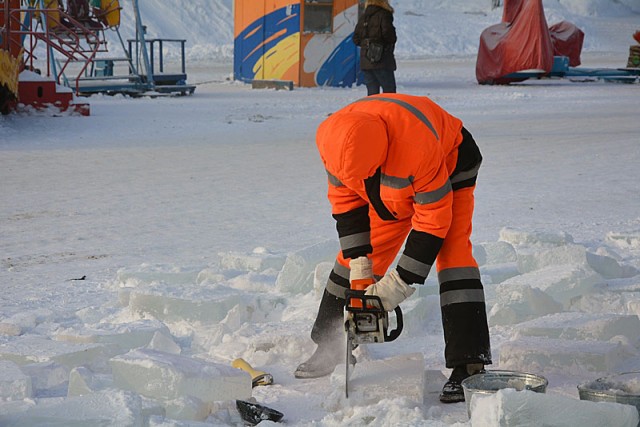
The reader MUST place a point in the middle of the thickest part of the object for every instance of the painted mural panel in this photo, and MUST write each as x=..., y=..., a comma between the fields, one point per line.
x=282, y=43
x=270, y=44
x=266, y=45
x=331, y=59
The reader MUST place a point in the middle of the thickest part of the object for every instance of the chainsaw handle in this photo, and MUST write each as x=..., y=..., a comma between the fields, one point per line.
x=372, y=302
x=399, y=325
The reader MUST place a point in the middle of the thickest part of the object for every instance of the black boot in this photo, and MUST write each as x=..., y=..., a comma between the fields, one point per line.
x=452, y=391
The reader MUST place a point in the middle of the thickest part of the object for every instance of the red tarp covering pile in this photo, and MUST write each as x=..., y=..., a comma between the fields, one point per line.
x=567, y=41
x=523, y=41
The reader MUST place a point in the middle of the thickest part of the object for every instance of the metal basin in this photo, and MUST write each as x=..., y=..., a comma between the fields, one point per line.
x=620, y=388
x=490, y=382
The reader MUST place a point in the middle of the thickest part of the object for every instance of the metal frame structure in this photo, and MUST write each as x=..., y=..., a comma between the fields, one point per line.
x=561, y=69
x=74, y=50
x=142, y=78
x=64, y=39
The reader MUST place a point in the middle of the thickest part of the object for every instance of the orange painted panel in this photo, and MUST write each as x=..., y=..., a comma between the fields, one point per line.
x=249, y=11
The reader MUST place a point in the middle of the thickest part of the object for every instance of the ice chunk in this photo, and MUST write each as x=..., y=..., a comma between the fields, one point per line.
x=35, y=349
x=225, y=413
x=566, y=254
x=147, y=274
x=83, y=381
x=14, y=384
x=94, y=314
x=161, y=421
x=602, y=262
x=10, y=329
x=583, y=326
x=420, y=315
x=209, y=276
x=321, y=276
x=47, y=378
x=566, y=356
x=80, y=382
x=561, y=282
x=152, y=408
x=168, y=376
x=297, y=273
x=125, y=335
x=498, y=252
x=259, y=260
x=498, y=273
x=518, y=303
x=107, y=408
x=187, y=408
x=608, y=267
x=28, y=319
x=614, y=302
x=538, y=238
x=511, y=408
x=162, y=341
x=185, y=303
x=372, y=381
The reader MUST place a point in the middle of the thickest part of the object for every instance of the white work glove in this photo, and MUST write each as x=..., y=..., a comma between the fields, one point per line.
x=361, y=269
x=391, y=290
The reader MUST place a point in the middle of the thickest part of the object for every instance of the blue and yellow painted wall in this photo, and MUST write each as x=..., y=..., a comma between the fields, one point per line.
x=272, y=41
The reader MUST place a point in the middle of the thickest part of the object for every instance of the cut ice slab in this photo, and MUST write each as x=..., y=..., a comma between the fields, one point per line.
x=170, y=376
x=511, y=408
x=14, y=384
x=192, y=303
x=561, y=282
x=83, y=381
x=126, y=336
x=297, y=273
x=34, y=349
x=373, y=380
x=583, y=326
x=207, y=305
x=567, y=356
x=108, y=408
x=259, y=260
x=604, y=264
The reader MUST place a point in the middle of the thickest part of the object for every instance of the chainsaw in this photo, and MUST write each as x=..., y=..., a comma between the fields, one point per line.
x=366, y=322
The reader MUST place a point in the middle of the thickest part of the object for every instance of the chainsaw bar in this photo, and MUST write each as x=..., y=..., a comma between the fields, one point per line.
x=347, y=362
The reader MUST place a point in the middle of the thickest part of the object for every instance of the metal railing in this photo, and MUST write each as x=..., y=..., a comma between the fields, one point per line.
x=55, y=31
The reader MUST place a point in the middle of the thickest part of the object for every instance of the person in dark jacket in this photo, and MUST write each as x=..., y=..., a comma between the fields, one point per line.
x=376, y=26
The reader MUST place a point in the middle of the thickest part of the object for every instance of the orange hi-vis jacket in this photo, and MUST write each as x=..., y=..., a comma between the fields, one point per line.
x=397, y=158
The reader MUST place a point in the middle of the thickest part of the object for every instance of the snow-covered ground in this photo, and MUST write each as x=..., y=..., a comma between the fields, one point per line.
x=146, y=247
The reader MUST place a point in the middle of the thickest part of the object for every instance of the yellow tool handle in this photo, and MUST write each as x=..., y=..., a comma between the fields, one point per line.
x=257, y=377
x=244, y=365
